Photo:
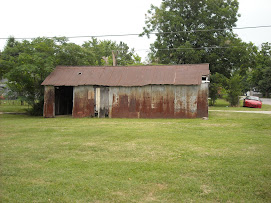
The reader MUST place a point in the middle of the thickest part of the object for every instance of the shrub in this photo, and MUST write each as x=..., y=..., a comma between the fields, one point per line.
x=234, y=90
x=36, y=110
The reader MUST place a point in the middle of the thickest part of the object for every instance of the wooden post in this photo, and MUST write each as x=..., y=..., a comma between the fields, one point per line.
x=114, y=58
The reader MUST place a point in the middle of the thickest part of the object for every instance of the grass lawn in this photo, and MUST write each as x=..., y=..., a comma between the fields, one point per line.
x=224, y=159
x=224, y=105
x=13, y=106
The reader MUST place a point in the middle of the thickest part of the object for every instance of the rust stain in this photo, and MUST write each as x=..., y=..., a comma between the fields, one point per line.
x=202, y=103
x=145, y=111
x=157, y=106
x=83, y=102
x=132, y=104
x=169, y=105
x=49, y=102
x=123, y=108
x=158, y=103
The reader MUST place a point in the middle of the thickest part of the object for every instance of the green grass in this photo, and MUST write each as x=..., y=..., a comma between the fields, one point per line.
x=13, y=106
x=223, y=159
x=224, y=105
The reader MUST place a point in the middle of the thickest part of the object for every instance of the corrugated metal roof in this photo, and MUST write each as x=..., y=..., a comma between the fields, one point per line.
x=127, y=75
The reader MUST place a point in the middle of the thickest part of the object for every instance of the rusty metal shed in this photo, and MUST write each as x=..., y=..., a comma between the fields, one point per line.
x=162, y=91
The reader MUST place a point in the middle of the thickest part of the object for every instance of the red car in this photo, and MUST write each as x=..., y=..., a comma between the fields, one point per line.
x=253, y=102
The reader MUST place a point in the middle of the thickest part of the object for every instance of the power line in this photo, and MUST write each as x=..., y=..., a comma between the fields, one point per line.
x=151, y=33
x=188, y=48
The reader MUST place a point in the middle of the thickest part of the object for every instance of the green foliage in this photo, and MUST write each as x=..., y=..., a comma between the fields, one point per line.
x=37, y=109
x=102, y=50
x=217, y=82
x=265, y=82
x=71, y=54
x=181, y=38
x=26, y=64
x=213, y=93
x=9, y=57
x=234, y=89
x=238, y=57
x=137, y=60
x=260, y=76
x=185, y=15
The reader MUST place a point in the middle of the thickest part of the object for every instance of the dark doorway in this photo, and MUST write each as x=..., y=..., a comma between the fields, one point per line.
x=63, y=100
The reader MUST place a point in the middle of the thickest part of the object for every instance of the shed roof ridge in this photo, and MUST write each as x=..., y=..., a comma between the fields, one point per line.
x=140, y=66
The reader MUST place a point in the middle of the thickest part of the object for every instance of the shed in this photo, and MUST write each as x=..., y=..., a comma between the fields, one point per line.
x=160, y=91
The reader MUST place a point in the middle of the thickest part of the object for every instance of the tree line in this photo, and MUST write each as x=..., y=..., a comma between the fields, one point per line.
x=187, y=32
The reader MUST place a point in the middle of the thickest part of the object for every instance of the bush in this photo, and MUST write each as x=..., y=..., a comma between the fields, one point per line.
x=36, y=110
x=216, y=87
x=234, y=90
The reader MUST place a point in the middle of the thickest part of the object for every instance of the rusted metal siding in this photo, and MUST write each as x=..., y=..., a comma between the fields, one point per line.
x=158, y=101
x=102, y=101
x=49, y=102
x=83, y=102
x=186, y=101
x=202, y=101
x=151, y=101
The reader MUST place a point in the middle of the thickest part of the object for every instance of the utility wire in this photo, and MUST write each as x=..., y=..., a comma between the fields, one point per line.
x=188, y=48
x=151, y=33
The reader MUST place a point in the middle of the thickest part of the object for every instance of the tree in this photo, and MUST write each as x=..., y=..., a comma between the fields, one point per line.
x=265, y=83
x=9, y=57
x=71, y=54
x=104, y=48
x=261, y=73
x=182, y=37
x=26, y=64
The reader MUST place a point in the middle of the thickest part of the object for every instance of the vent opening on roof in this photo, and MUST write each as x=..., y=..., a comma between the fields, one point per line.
x=80, y=73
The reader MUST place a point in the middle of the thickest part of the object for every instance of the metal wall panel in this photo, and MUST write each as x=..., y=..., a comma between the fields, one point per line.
x=102, y=101
x=186, y=101
x=202, y=101
x=83, y=101
x=49, y=102
x=158, y=101
x=151, y=101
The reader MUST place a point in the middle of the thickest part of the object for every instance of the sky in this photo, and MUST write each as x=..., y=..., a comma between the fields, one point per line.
x=37, y=18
